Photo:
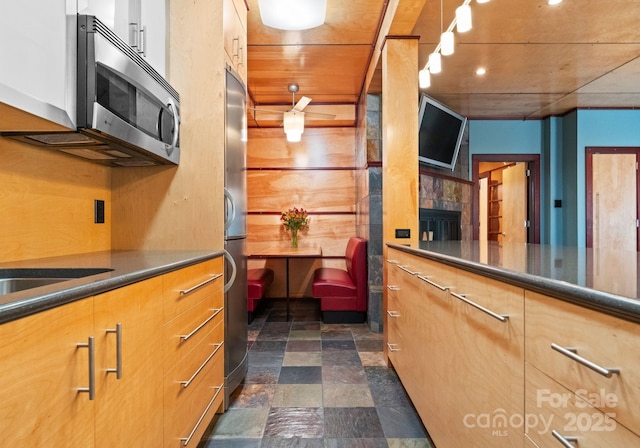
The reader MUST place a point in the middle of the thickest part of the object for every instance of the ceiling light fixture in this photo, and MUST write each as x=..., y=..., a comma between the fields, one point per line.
x=292, y=15
x=294, y=125
x=435, y=63
x=463, y=18
x=553, y=2
x=424, y=79
x=487, y=1
x=480, y=71
x=446, y=38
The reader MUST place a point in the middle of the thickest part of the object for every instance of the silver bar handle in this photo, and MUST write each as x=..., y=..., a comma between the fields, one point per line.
x=393, y=313
x=500, y=317
x=393, y=288
x=393, y=261
x=571, y=353
x=134, y=35
x=432, y=283
x=406, y=269
x=186, y=440
x=393, y=347
x=235, y=46
x=143, y=41
x=241, y=56
x=216, y=311
x=564, y=440
x=91, y=390
x=118, y=369
x=186, y=384
x=200, y=285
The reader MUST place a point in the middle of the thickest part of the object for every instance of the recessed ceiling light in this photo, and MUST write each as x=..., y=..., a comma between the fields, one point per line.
x=481, y=71
x=553, y=2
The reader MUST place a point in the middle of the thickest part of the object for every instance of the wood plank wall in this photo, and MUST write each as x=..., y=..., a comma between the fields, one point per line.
x=318, y=174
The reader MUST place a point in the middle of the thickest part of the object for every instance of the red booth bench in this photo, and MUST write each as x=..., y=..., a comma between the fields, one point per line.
x=343, y=293
x=258, y=280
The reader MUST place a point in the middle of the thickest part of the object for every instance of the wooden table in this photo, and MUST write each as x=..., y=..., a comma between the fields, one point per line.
x=287, y=252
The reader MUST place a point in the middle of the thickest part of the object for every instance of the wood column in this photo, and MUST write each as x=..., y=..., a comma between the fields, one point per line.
x=399, y=147
x=400, y=139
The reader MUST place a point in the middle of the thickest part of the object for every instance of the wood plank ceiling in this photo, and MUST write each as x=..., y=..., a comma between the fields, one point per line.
x=541, y=60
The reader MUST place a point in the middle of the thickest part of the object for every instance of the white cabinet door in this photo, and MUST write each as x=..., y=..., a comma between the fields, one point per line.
x=140, y=23
x=37, y=74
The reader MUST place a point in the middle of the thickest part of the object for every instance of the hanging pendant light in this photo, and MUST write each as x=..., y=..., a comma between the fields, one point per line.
x=447, y=43
x=294, y=125
x=463, y=18
x=424, y=79
x=435, y=63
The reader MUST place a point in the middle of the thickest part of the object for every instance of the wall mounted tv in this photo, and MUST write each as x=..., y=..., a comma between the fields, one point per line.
x=440, y=133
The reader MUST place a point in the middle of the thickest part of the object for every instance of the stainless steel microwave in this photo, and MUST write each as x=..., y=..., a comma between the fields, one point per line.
x=127, y=113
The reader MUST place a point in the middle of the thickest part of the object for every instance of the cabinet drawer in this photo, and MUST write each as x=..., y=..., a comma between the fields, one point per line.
x=604, y=340
x=189, y=329
x=186, y=287
x=551, y=407
x=495, y=299
x=189, y=411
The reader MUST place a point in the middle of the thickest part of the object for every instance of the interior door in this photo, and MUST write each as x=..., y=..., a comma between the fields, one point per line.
x=613, y=201
x=514, y=203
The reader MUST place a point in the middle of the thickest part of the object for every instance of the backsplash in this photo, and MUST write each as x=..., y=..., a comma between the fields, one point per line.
x=48, y=204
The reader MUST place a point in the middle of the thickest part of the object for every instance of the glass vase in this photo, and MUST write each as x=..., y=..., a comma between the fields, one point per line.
x=294, y=238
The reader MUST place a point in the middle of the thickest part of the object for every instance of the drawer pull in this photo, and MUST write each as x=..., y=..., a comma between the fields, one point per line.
x=393, y=288
x=500, y=317
x=393, y=347
x=393, y=313
x=91, y=390
x=186, y=384
x=432, y=283
x=571, y=353
x=406, y=269
x=118, y=369
x=186, y=440
x=200, y=285
x=392, y=261
x=564, y=440
x=216, y=311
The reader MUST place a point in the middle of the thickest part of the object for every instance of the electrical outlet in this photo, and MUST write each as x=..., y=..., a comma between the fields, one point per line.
x=403, y=233
x=98, y=211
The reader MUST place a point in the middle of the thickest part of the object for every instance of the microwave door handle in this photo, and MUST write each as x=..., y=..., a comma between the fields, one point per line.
x=176, y=123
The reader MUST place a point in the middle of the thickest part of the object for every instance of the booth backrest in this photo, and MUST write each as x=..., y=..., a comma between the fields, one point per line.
x=356, y=261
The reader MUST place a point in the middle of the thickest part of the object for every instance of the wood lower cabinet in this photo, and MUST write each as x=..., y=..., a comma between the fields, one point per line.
x=564, y=339
x=460, y=353
x=193, y=341
x=557, y=417
x=158, y=366
x=42, y=370
x=128, y=360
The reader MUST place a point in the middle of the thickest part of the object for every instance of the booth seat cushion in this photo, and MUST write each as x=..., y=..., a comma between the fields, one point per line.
x=258, y=280
x=331, y=282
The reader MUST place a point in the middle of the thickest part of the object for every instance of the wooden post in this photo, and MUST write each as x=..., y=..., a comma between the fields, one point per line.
x=399, y=147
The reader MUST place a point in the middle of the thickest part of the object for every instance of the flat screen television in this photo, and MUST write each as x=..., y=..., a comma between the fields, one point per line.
x=440, y=133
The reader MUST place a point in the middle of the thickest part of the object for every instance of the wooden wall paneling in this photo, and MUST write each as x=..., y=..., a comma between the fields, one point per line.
x=182, y=208
x=330, y=232
x=326, y=147
x=48, y=203
x=317, y=190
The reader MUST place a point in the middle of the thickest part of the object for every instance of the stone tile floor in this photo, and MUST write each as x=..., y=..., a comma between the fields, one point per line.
x=316, y=385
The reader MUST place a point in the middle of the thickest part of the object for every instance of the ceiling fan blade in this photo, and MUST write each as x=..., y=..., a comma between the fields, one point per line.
x=320, y=116
x=302, y=103
x=260, y=109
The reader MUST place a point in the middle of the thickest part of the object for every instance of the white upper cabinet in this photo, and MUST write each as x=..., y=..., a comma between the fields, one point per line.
x=37, y=53
x=140, y=23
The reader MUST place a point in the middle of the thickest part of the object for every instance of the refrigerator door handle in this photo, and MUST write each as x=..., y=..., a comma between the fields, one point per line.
x=230, y=209
x=234, y=271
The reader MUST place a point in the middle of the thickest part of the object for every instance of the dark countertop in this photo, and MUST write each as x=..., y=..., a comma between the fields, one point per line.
x=126, y=267
x=603, y=280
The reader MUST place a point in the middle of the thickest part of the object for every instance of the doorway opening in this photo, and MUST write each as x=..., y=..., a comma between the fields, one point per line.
x=506, y=205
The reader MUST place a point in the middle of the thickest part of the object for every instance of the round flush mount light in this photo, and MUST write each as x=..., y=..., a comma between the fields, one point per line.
x=481, y=71
x=553, y=2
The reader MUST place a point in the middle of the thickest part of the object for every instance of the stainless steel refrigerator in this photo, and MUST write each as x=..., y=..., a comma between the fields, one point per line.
x=235, y=204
